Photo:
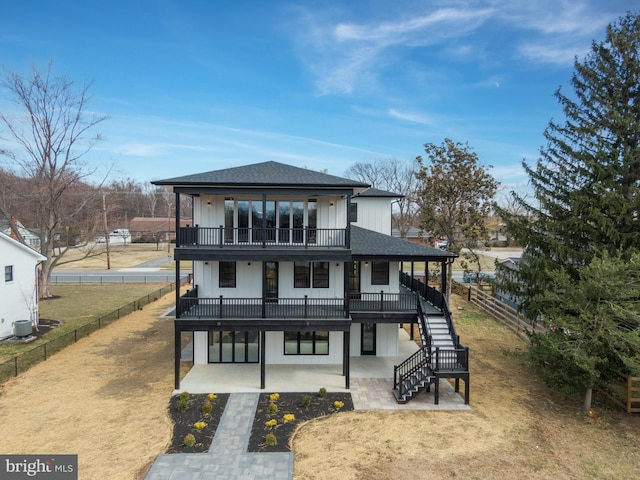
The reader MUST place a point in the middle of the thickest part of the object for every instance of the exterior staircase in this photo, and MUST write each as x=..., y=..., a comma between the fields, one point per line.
x=441, y=356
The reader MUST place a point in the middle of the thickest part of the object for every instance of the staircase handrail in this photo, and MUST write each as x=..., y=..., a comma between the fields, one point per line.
x=450, y=325
x=408, y=367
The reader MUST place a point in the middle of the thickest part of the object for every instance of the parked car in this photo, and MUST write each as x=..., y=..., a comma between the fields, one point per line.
x=442, y=244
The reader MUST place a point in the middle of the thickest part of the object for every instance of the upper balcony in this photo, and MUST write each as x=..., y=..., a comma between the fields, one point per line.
x=191, y=240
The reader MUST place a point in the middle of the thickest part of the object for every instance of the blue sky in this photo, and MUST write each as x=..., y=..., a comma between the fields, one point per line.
x=193, y=86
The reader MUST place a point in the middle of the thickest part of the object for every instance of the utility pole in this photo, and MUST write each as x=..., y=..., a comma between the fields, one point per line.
x=106, y=230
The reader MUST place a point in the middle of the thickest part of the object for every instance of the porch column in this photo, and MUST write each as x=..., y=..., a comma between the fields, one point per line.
x=426, y=278
x=176, y=355
x=263, y=342
x=443, y=281
x=347, y=266
x=264, y=289
x=178, y=310
x=345, y=361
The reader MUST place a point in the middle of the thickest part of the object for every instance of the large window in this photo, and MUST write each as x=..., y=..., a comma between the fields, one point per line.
x=379, y=273
x=301, y=275
x=303, y=272
x=227, y=275
x=306, y=343
x=234, y=347
x=8, y=273
x=320, y=274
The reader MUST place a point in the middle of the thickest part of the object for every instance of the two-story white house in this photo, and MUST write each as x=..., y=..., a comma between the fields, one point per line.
x=294, y=266
x=19, y=289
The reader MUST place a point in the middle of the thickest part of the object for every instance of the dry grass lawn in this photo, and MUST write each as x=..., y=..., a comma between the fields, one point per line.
x=120, y=256
x=517, y=429
x=105, y=399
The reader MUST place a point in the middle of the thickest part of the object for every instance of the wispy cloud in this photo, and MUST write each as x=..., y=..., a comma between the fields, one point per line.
x=344, y=56
x=414, y=117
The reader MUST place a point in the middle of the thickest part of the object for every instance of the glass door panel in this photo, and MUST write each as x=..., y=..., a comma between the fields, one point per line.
x=243, y=220
x=368, y=345
x=284, y=214
x=297, y=221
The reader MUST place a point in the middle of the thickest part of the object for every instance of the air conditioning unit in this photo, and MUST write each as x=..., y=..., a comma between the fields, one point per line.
x=22, y=328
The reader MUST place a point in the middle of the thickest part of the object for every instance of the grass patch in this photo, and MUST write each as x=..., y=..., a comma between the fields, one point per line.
x=77, y=305
x=120, y=256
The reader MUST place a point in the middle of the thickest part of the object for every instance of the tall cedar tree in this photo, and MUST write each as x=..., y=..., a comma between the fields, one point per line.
x=455, y=195
x=586, y=183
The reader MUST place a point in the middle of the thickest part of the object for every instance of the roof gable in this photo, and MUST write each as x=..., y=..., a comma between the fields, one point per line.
x=376, y=192
x=16, y=244
x=262, y=174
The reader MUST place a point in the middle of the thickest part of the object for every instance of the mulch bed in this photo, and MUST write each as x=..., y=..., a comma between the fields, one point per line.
x=291, y=403
x=183, y=422
x=287, y=403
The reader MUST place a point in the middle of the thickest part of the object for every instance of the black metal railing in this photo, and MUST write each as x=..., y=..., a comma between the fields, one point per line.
x=405, y=373
x=229, y=237
x=383, y=302
x=222, y=307
x=192, y=306
x=430, y=294
x=451, y=360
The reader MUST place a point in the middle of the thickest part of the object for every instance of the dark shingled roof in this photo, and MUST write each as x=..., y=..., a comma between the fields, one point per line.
x=260, y=174
x=367, y=243
x=375, y=192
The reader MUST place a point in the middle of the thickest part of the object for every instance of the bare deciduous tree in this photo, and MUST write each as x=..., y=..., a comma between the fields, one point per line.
x=51, y=132
x=395, y=176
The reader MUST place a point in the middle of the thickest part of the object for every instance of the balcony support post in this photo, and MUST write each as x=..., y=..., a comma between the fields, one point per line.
x=263, y=348
x=345, y=359
x=176, y=356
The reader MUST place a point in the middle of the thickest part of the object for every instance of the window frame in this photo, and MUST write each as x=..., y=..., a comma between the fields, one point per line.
x=301, y=278
x=319, y=342
x=320, y=275
x=227, y=279
x=353, y=213
x=377, y=274
x=8, y=273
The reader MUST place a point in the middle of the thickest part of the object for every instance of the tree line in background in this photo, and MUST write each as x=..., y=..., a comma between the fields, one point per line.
x=580, y=229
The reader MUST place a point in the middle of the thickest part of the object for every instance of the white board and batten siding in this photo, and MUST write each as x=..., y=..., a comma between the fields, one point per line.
x=20, y=294
x=374, y=214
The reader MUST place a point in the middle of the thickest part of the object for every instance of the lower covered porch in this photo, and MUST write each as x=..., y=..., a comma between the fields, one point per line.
x=371, y=380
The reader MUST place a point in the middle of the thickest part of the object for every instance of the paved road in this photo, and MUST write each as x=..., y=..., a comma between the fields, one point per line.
x=148, y=272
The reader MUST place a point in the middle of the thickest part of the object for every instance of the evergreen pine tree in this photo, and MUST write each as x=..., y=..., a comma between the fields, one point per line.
x=586, y=184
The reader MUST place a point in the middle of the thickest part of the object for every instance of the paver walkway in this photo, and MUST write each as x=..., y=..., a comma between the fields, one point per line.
x=228, y=457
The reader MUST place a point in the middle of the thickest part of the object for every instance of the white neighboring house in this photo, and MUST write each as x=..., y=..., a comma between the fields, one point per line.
x=19, y=289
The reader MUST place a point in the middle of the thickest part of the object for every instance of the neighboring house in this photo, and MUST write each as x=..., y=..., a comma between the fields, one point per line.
x=11, y=226
x=506, y=272
x=155, y=228
x=294, y=266
x=414, y=235
x=19, y=289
